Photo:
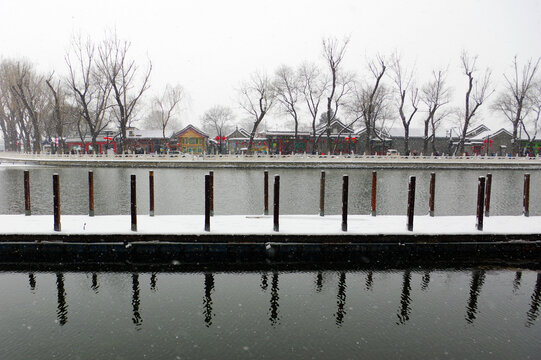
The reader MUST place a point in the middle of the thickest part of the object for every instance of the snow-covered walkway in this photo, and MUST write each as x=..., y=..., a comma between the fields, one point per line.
x=263, y=225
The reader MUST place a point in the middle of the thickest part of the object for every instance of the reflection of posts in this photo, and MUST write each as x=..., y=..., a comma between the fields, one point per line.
x=533, y=313
x=62, y=310
x=341, y=300
x=319, y=281
x=516, y=282
x=95, y=286
x=425, y=281
x=153, y=281
x=274, y=305
x=478, y=278
x=32, y=281
x=137, y=320
x=207, y=300
x=405, y=299
x=369, y=280
x=264, y=281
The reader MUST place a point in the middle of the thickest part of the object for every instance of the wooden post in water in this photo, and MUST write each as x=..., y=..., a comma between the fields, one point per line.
x=488, y=189
x=90, y=193
x=56, y=202
x=345, y=186
x=211, y=194
x=151, y=192
x=374, y=189
x=266, y=192
x=322, y=194
x=526, y=196
x=27, y=211
x=276, y=212
x=133, y=208
x=480, y=202
x=411, y=202
x=207, y=202
x=431, y=201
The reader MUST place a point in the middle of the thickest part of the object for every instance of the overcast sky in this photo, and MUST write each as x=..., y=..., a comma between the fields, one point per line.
x=210, y=46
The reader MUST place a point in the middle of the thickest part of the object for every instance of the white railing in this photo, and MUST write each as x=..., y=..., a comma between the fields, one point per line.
x=268, y=158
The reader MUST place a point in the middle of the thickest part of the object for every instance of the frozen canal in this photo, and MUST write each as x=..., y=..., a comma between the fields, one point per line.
x=240, y=191
x=381, y=314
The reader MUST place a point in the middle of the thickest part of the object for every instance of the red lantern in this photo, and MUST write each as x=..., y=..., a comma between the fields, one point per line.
x=223, y=138
x=485, y=141
x=353, y=139
x=347, y=139
x=236, y=142
x=217, y=138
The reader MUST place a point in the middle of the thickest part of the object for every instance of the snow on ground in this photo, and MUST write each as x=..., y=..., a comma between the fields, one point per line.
x=289, y=224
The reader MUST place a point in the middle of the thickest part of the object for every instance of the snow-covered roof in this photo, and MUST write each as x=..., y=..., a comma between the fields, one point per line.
x=287, y=133
x=193, y=128
x=147, y=134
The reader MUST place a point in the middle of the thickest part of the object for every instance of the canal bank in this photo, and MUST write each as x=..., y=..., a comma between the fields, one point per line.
x=251, y=238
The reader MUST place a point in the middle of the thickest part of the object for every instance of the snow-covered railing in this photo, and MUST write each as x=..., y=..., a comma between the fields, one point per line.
x=353, y=158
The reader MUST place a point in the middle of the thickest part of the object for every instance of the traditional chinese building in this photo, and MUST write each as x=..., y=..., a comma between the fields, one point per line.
x=191, y=140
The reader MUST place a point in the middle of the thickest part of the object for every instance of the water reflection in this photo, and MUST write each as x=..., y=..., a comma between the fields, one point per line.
x=319, y=281
x=369, y=280
x=425, y=281
x=62, y=309
x=32, y=281
x=273, y=311
x=341, y=299
x=137, y=320
x=269, y=282
x=477, y=281
x=405, y=299
x=533, y=313
x=264, y=281
x=153, y=282
x=516, y=282
x=95, y=286
x=207, y=300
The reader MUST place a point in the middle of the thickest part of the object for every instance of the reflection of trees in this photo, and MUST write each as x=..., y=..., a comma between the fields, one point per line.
x=319, y=281
x=207, y=300
x=516, y=282
x=62, y=310
x=153, y=281
x=341, y=299
x=405, y=299
x=32, y=281
x=137, y=320
x=533, y=313
x=369, y=280
x=274, y=315
x=477, y=281
x=425, y=281
x=95, y=286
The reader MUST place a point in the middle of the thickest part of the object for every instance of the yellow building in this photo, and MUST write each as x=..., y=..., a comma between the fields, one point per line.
x=191, y=140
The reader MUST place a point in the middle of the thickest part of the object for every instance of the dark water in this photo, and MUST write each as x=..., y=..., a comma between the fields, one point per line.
x=381, y=314
x=239, y=191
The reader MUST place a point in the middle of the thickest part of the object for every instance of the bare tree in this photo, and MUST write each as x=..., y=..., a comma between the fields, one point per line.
x=530, y=125
x=218, y=119
x=434, y=95
x=122, y=74
x=59, y=119
x=403, y=80
x=287, y=88
x=90, y=88
x=9, y=109
x=514, y=100
x=371, y=99
x=333, y=53
x=27, y=86
x=257, y=96
x=314, y=86
x=165, y=106
x=476, y=93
